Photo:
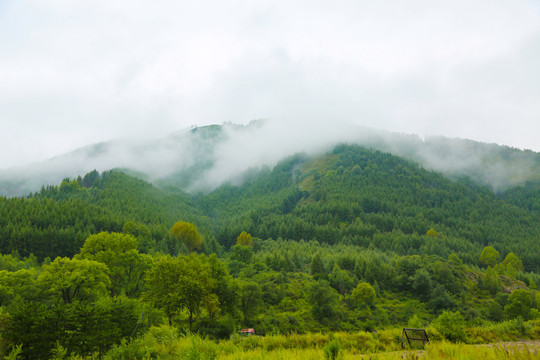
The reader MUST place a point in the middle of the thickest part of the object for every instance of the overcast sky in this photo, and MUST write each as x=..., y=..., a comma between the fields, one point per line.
x=79, y=72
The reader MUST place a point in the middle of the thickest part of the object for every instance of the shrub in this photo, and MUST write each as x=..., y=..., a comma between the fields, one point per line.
x=332, y=350
x=131, y=350
x=199, y=349
x=451, y=325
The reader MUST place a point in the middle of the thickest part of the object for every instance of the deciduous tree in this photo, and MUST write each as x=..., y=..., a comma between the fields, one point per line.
x=188, y=234
x=177, y=284
x=519, y=304
x=73, y=279
x=119, y=252
x=250, y=299
x=364, y=294
x=324, y=300
x=489, y=256
x=512, y=264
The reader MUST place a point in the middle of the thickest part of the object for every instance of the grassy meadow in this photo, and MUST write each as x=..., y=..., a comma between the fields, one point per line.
x=507, y=340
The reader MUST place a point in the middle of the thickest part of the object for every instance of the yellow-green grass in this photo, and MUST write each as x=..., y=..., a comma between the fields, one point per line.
x=165, y=343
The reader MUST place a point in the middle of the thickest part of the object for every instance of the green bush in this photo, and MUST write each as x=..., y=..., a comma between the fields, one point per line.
x=133, y=350
x=199, y=349
x=451, y=325
x=332, y=350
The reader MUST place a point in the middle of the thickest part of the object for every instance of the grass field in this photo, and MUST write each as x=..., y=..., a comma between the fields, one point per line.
x=165, y=343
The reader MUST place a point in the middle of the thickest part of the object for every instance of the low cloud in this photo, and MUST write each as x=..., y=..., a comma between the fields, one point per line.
x=79, y=73
x=201, y=159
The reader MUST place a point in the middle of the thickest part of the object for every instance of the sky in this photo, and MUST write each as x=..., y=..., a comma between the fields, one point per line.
x=74, y=73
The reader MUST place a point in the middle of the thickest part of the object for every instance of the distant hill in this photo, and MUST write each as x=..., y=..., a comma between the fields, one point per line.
x=203, y=158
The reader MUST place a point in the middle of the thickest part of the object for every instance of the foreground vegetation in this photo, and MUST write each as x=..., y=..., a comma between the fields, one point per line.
x=164, y=342
x=111, y=299
x=355, y=243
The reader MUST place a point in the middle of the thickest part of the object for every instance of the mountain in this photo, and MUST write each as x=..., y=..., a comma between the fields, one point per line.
x=337, y=238
x=372, y=199
x=186, y=152
x=203, y=158
x=349, y=195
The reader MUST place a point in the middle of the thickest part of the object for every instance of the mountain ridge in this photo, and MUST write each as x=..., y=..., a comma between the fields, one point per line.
x=202, y=158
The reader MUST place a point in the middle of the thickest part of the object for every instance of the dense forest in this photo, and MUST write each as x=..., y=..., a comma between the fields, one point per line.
x=353, y=239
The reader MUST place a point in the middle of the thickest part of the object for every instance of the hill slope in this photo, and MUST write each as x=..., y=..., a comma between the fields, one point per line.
x=373, y=199
x=350, y=195
x=206, y=157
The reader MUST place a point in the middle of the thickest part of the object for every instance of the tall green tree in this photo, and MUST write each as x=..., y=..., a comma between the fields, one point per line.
x=241, y=253
x=72, y=279
x=491, y=281
x=489, y=256
x=244, y=239
x=325, y=302
x=512, y=264
x=363, y=294
x=119, y=252
x=225, y=289
x=317, y=268
x=341, y=280
x=422, y=284
x=250, y=299
x=18, y=283
x=519, y=304
x=178, y=284
x=187, y=233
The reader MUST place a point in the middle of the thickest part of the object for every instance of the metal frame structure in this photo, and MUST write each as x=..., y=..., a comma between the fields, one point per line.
x=415, y=335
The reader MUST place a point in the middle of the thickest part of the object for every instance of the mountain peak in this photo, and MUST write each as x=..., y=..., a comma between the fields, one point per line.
x=204, y=157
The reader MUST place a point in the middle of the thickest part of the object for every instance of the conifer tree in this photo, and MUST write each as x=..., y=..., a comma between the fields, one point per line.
x=244, y=239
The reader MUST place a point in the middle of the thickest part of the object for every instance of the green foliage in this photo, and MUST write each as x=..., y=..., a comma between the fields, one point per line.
x=341, y=280
x=519, y=304
x=242, y=253
x=491, y=281
x=17, y=283
x=351, y=227
x=324, y=300
x=244, y=239
x=332, y=350
x=175, y=284
x=72, y=280
x=451, y=325
x=415, y=322
x=14, y=353
x=440, y=299
x=422, y=284
x=512, y=263
x=432, y=233
x=363, y=294
x=489, y=256
x=82, y=328
x=119, y=252
x=187, y=233
x=250, y=299
x=317, y=268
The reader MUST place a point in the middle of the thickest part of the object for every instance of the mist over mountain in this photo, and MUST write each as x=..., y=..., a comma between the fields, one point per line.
x=202, y=158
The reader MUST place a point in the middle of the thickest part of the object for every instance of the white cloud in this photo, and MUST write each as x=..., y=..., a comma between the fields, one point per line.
x=80, y=72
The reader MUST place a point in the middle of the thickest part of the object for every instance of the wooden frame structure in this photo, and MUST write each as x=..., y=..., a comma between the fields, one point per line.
x=414, y=337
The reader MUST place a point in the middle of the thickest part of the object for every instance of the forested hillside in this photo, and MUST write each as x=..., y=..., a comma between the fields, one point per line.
x=203, y=158
x=353, y=239
x=372, y=199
